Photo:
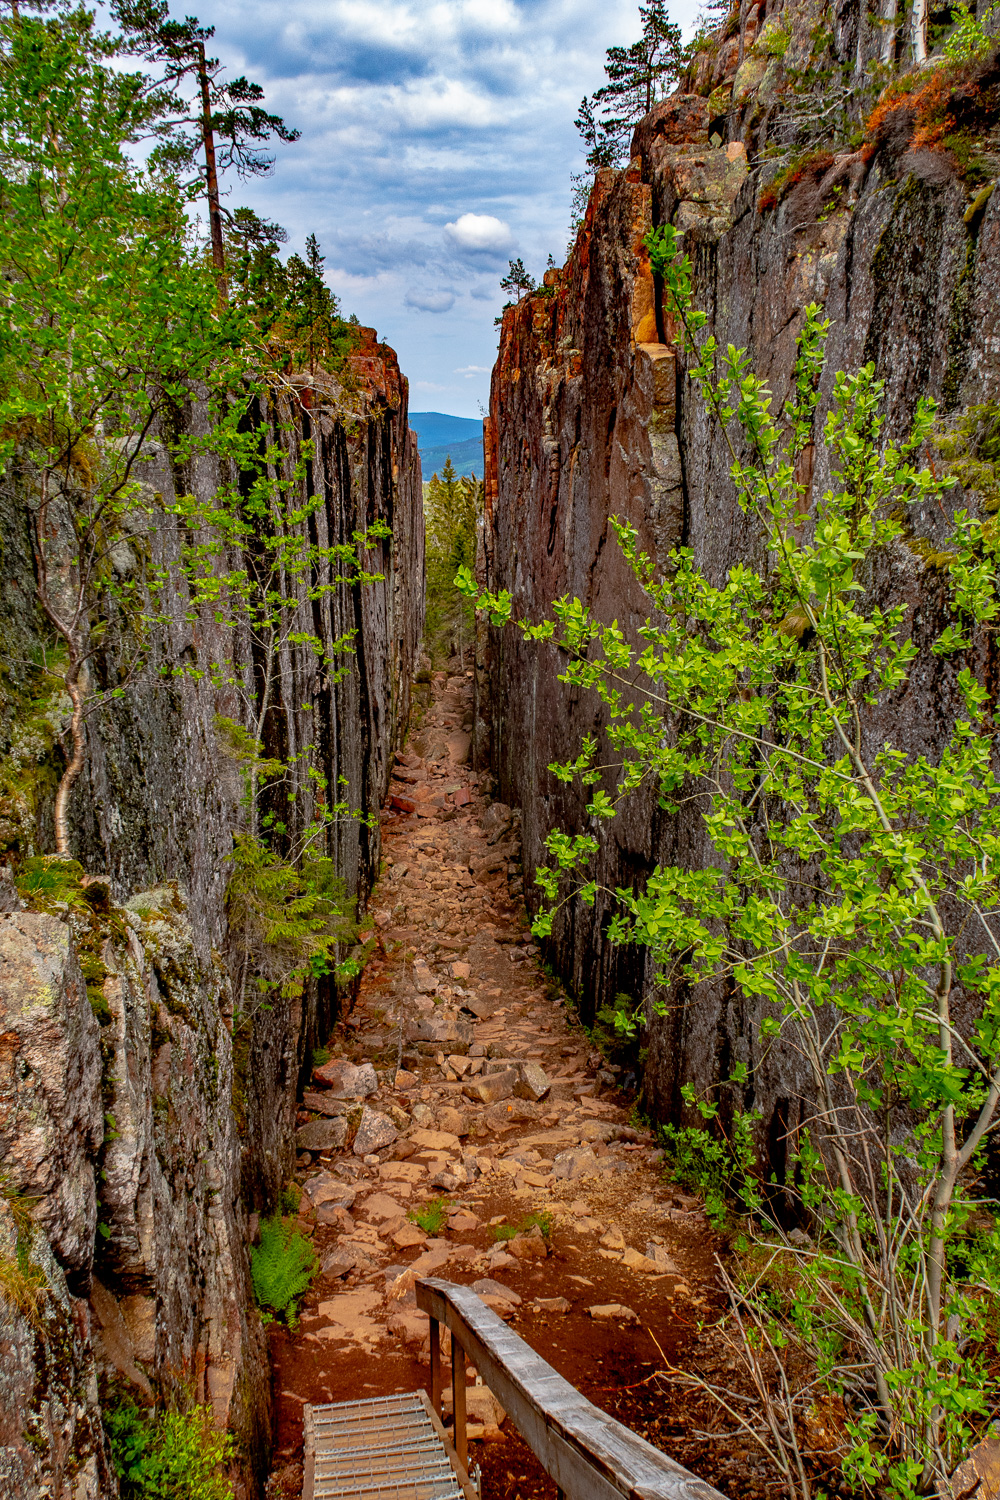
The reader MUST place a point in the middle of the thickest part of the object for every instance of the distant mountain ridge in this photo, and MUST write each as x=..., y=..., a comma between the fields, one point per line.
x=442, y=436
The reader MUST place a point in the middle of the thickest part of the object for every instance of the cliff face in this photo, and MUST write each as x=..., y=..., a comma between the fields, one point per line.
x=592, y=415
x=138, y=1121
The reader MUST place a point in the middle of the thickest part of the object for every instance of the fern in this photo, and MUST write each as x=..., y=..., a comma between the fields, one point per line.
x=431, y=1216
x=282, y=1267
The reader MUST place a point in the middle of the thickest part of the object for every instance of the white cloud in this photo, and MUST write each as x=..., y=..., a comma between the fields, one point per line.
x=479, y=232
x=433, y=302
x=437, y=140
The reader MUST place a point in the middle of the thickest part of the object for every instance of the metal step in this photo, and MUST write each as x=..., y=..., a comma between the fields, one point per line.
x=385, y=1448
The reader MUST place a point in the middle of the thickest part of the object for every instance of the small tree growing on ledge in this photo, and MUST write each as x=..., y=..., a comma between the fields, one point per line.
x=637, y=75
x=852, y=896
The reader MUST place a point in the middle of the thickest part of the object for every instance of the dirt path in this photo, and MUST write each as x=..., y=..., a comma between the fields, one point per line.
x=475, y=1088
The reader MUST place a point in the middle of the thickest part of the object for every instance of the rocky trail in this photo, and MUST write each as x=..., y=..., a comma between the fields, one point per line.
x=460, y=1091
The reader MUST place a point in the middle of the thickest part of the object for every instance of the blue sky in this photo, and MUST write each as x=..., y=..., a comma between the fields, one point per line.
x=437, y=141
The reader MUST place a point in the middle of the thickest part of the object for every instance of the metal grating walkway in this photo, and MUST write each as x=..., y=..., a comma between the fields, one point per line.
x=387, y=1448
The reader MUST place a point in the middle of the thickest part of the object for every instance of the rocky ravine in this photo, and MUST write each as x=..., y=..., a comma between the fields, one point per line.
x=462, y=1076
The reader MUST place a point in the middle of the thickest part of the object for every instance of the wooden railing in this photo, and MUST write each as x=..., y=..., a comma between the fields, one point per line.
x=588, y=1454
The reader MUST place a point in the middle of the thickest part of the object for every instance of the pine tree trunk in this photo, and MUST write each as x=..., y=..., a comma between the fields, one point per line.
x=211, y=177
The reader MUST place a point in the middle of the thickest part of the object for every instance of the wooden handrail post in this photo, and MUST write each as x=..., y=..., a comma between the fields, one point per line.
x=458, y=1399
x=436, y=1365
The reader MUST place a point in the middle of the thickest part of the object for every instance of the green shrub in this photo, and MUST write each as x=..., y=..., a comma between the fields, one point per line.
x=282, y=1267
x=970, y=37
x=431, y=1216
x=719, y=1171
x=542, y=1221
x=170, y=1456
x=289, y=1198
x=503, y=1231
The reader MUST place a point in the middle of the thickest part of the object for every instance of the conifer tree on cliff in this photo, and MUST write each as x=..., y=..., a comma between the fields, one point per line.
x=228, y=120
x=637, y=76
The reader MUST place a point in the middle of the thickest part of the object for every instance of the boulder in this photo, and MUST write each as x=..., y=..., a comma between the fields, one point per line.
x=402, y=1171
x=679, y=120
x=410, y=1325
x=570, y=1166
x=321, y=1135
x=979, y=1474
x=381, y=1207
x=480, y=1405
x=408, y=1236
x=325, y=1188
x=487, y=1287
x=612, y=1312
x=323, y=1103
x=423, y=979
x=458, y=745
x=636, y=1261
x=663, y=1261
x=453, y=1121
x=333, y=1214
x=443, y=1027
x=496, y=820
x=531, y=1081
x=530, y=1246
x=490, y=1088
x=435, y=1140
x=346, y=1080
x=374, y=1132
x=481, y=1008
x=339, y=1263
x=508, y=1112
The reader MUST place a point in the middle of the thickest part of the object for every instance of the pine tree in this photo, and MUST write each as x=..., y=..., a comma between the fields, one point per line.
x=227, y=116
x=517, y=279
x=637, y=76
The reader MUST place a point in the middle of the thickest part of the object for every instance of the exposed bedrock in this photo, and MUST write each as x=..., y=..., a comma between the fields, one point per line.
x=138, y=1124
x=592, y=415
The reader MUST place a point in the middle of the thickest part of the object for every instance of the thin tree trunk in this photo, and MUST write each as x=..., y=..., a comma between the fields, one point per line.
x=72, y=771
x=919, y=33
x=887, y=49
x=72, y=679
x=211, y=177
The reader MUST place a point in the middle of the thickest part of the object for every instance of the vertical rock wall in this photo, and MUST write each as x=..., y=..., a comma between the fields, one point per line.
x=592, y=415
x=136, y=1127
